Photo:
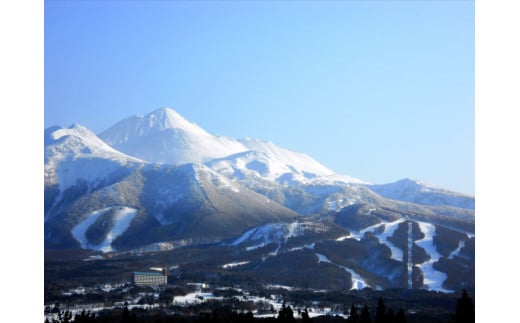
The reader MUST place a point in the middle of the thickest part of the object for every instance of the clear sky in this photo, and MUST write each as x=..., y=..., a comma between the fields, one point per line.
x=378, y=90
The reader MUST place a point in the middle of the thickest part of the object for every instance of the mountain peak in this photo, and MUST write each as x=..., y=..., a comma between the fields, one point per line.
x=417, y=191
x=164, y=136
x=167, y=118
x=411, y=182
x=75, y=130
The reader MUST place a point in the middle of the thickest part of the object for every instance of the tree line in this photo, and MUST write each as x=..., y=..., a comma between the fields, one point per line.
x=464, y=313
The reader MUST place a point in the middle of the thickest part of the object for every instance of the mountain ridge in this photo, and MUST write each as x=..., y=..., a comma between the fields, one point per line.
x=417, y=191
x=269, y=203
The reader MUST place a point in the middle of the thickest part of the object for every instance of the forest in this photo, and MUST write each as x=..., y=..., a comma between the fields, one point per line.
x=464, y=313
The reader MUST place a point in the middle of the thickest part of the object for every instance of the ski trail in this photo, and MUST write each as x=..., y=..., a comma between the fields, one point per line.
x=432, y=279
x=357, y=281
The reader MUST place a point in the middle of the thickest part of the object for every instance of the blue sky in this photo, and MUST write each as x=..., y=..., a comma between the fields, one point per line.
x=376, y=90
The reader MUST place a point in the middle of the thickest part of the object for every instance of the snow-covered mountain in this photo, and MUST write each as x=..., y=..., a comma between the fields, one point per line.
x=267, y=161
x=77, y=161
x=416, y=191
x=292, y=179
x=361, y=246
x=159, y=180
x=164, y=136
x=85, y=178
x=70, y=154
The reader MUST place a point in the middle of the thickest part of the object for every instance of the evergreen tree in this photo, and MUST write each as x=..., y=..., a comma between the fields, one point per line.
x=380, y=312
x=400, y=317
x=305, y=316
x=125, y=317
x=63, y=317
x=465, y=310
x=390, y=316
x=84, y=317
x=365, y=315
x=353, y=316
x=285, y=314
x=248, y=317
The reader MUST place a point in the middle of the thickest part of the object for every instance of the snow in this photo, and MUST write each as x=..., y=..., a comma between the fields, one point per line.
x=266, y=234
x=244, y=237
x=299, y=161
x=234, y=264
x=274, y=286
x=194, y=298
x=78, y=232
x=307, y=246
x=333, y=206
x=276, y=164
x=388, y=231
x=82, y=139
x=416, y=191
x=222, y=182
x=322, y=258
x=344, y=237
x=456, y=251
x=357, y=281
x=76, y=153
x=153, y=247
x=275, y=301
x=390, y=228
x=275, y=252
x=122, y=219
x=156, y=268
x=164, y=136
x=292, y=231
x=432, y=279
x=94, y=257
x=275, y=233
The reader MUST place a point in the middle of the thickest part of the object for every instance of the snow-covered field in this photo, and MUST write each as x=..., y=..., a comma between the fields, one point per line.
x=194, y=298
x=274, y=301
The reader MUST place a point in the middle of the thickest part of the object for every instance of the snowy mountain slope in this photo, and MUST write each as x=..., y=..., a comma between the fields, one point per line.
x=379, y=249
x=76, y=162
x=416, y=191
x=273, y=209
x=357, y=281
x=278, y=233
x=65, y=148
x=292, y=179
x=164, y=136
x=431, y=243
x=117, y=225
x=298, y=189
x=297, y=160
x=173, y=203
x=432, y=278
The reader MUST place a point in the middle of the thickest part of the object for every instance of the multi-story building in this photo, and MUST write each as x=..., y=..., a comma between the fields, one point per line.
x=150, y=278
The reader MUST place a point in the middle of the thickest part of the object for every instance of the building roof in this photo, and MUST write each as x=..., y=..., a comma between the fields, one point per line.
x=147, y=273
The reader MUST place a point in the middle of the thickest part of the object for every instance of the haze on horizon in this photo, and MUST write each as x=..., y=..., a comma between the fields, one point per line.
x=378, y=90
